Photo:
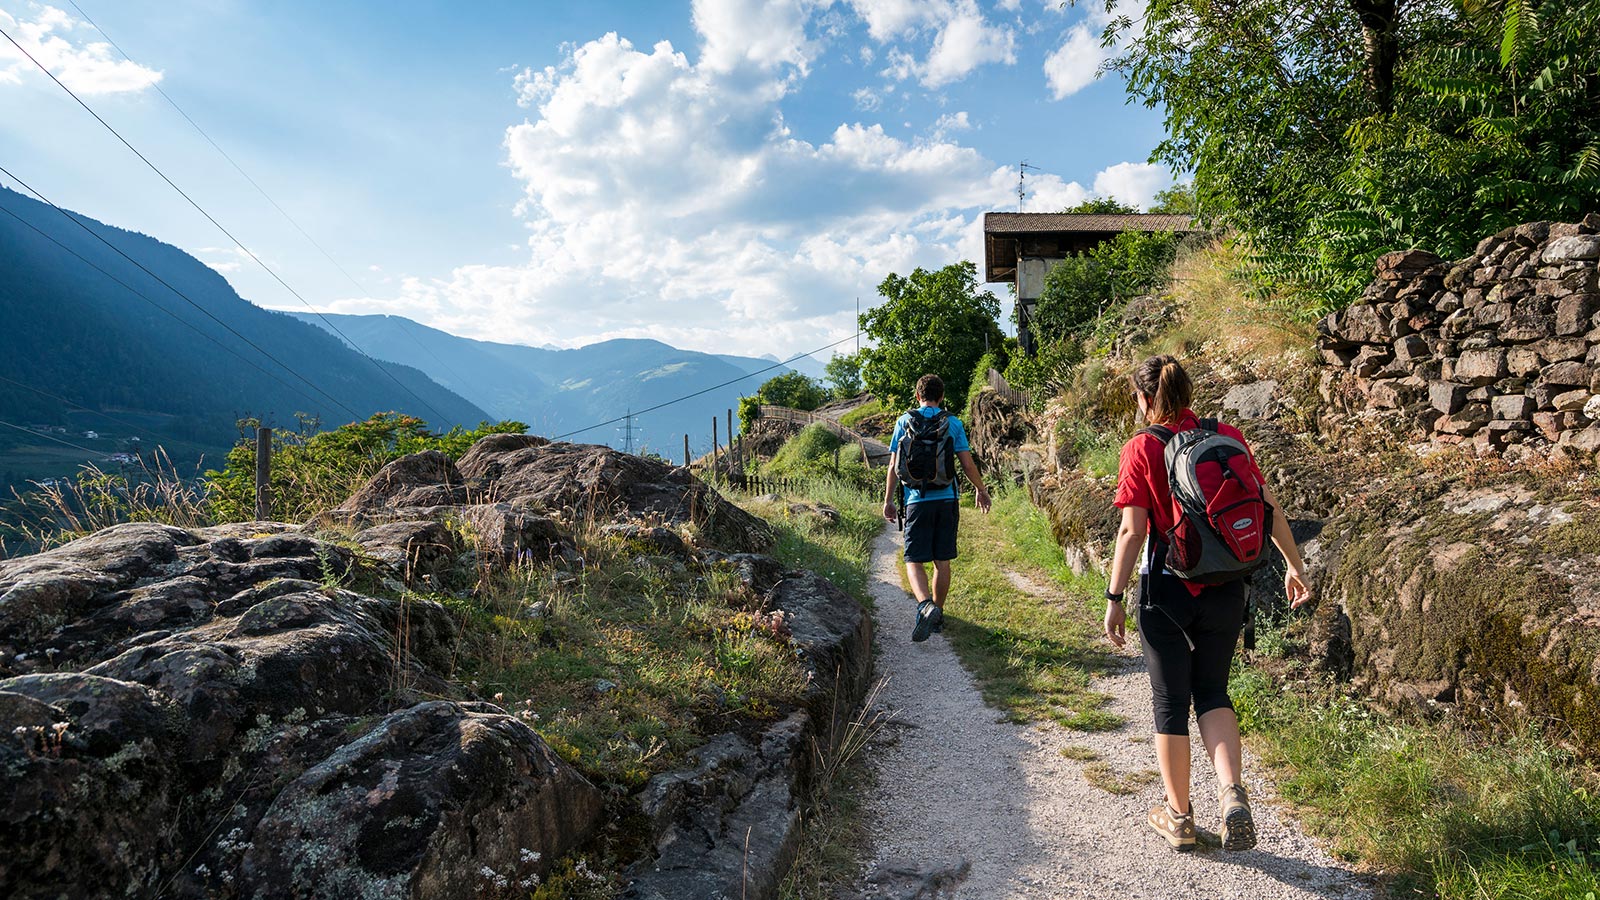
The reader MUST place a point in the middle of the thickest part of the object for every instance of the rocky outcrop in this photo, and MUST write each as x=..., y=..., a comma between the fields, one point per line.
x=729, y=825
x=1501, y=349
x=264, y=710
x=200, y=714
x=584, y=481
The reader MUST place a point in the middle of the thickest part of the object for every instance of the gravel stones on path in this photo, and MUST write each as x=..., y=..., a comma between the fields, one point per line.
x=969, y=805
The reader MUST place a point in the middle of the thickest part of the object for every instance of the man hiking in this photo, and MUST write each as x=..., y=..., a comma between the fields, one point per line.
x=927, y=443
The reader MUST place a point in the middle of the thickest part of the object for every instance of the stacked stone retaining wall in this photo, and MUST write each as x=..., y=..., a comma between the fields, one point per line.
x=1501, y=349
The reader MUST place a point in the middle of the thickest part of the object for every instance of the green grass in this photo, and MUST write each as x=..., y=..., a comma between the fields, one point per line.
x=870, y=409
x=1444, y=814
x=636, y=661
x=1033, y=656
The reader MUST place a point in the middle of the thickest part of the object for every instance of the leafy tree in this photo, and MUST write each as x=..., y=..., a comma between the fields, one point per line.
x=1329, y=133
x=843, y=372
x=1103, y=206
x=1176, y=200
x=934, y=322
x=313, y=471
x=1080, y=289
x=794, y=390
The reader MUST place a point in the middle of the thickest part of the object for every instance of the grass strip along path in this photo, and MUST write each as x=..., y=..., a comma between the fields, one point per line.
x=1034, y=659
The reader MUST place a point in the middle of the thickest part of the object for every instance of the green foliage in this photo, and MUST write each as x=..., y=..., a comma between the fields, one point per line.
x=995, y=359
x=1081, y=289
x=843, y=373
x=933, y=323
x=794, y=390
x=314, y=471
x=1049, y=371
x=749, y=412
x=1328, y=145
x=1179, y=199
x=1449, y=818
x=1103, y=206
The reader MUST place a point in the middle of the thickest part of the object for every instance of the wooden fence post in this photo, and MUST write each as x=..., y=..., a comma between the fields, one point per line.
x=716, y=451
x=263, y=474
x=686, y=451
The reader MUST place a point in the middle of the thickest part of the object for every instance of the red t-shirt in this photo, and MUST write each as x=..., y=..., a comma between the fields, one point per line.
x=1142, y=476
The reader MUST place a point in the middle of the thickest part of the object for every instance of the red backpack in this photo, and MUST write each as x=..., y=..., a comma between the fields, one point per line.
x=1219, y=503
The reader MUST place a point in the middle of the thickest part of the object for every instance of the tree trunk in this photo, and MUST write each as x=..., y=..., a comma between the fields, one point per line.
x=1380, y=32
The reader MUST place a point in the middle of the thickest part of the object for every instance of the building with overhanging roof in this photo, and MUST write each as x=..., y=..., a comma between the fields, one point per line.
x=1021, y=247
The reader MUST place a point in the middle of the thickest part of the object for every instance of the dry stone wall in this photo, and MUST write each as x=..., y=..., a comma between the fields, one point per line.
x=1500, y=350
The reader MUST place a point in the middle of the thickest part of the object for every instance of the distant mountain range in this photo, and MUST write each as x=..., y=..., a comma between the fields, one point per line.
x=558, y=392
x=95, y=351
x=84, y=353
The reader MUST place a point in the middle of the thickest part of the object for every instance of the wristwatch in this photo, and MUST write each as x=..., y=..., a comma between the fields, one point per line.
x=1114, y=598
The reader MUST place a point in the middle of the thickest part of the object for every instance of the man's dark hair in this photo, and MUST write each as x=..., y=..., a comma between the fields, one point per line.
x=930, y=388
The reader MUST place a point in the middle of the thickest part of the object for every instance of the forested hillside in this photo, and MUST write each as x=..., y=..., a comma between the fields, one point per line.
x=142, y=353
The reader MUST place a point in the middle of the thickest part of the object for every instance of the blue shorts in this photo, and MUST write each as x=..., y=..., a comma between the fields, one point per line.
x=931, y=530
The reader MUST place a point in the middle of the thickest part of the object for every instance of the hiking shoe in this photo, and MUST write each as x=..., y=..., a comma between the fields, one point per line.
x=938, y=619
x=926, y=610
x=1238, y=827
x=1177, y=829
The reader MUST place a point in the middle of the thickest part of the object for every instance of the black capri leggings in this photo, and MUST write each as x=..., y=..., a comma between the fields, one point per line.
x=1179, y=674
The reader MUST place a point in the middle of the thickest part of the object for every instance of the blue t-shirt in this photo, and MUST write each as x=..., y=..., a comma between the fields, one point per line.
x=958, y=437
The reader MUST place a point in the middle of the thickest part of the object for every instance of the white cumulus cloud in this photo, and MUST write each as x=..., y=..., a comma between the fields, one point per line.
x=1131, y=182
x=666, y=197
x=1072, y=67
x=87, y=67
x=959, y=38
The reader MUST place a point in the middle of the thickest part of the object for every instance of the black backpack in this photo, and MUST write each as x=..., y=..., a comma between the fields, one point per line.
x=927, y=457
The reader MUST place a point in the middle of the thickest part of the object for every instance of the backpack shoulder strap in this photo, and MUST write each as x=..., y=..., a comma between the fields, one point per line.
x=1210, y=424
x=1160, y=432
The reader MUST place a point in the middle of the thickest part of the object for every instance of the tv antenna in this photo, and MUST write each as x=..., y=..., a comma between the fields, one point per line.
x=1022, y=175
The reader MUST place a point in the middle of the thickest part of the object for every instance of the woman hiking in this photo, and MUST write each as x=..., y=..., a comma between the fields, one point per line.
x=1188, y=628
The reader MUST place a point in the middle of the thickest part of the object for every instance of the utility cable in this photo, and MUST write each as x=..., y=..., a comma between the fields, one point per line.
x=207, y=313
x=400, y=320
x=240, y=244
x=634, y=415
x=49, y=437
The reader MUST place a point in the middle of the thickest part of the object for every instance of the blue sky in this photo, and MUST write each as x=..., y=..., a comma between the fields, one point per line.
x=724, y=175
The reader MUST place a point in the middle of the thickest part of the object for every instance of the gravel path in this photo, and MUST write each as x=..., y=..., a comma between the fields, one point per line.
x=968, y=805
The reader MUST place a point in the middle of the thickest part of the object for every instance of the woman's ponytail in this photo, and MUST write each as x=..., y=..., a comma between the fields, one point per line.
x=1166, y=387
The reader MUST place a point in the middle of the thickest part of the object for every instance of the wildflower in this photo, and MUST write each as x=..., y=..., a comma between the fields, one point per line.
x=530, y=856
x=499, y=697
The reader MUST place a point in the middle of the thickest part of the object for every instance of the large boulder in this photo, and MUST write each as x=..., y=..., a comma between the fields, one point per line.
x=591, y=482
x=428, y=478
x=439, y=800
x=89, y=792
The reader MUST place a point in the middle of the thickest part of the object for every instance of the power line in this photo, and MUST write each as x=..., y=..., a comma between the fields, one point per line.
x=48, y=437
x=633, y=415
x=268, y=197
x=207, y=313
x=240, y=244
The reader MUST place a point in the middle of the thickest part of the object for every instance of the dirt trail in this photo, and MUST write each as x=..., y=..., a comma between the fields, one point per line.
x=968, y=805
